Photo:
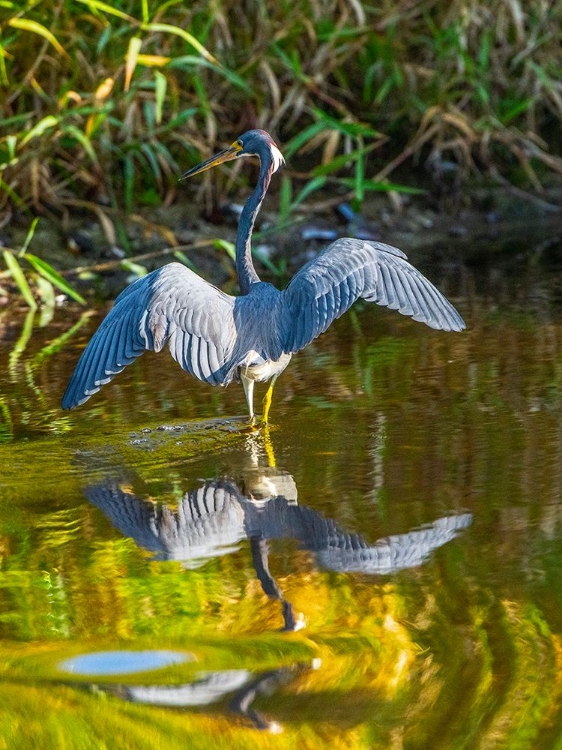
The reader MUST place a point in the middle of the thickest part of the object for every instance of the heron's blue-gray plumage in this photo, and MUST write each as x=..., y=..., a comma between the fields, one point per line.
x=209, y=333
x=219, y=338
x=350, y=269
x=171, y=305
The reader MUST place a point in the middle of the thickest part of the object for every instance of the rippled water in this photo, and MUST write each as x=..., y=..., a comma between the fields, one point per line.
x=379, y=569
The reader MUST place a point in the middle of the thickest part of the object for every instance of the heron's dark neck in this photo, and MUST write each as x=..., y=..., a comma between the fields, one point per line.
x=244, y=265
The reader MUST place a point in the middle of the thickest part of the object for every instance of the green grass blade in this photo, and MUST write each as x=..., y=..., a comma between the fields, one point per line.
x=381, y=187
x=285, y=198
x=49, y=273
x=135, y=44
x=105, y=8
x=360, y=178
x=129, y=186
x=83, y=140
x=303, y=137
x=25, y=24
x=19, y=278
x=228, y=247
x=167, y=28
x=28, y=237
x=185, y=260
x=188, y=62
x=46, y=293
x=310, y=187
x=277, y=271
x=353, y=129
x=135, y=268
x=19, y=202
x=161, y=85
x=341, y=161
x=45, y=124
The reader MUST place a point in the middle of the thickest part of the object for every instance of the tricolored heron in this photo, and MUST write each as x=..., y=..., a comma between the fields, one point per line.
x=219, y=338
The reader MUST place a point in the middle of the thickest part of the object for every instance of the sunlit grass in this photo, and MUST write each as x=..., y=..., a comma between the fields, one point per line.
x=110, y=102
x=105, y=104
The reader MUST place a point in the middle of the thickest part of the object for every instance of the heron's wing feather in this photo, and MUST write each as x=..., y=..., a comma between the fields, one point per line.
x=350, y=269
x=170, y=305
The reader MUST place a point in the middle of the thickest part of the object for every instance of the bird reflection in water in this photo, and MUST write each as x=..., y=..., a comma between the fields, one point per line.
x=260, y=506
x=239, y=687
x=213, y=520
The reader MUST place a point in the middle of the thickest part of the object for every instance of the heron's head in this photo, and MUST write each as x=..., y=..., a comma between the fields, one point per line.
x=253, y=143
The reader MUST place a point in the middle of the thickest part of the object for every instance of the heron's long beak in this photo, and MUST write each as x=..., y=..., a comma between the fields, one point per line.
x=229, y=153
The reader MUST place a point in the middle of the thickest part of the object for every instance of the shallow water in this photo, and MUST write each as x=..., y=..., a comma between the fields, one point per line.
x=379, y=569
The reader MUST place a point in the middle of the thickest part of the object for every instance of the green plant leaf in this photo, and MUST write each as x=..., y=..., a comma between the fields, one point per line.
x=341, y=161
x=50, y=121
x=310, y=187
x=353, y=129
x=161, y=85
x=167, y=28
x=46, y=292
x=135, y=268
x=188, y=62
x=19, y=278
x=29, y=237
x=185, y=260
x=135, y=44
x=381, y=187
x=25, y=24
x=83, y=140
x=19, y=202
x=285, y=198
x=105, y=8
x=277, y=271
x=49, y=273
x=296, y=143
x=228, y=247
x=129, y=186
x=360, y=178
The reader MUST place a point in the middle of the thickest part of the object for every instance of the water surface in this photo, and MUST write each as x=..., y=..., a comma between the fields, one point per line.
x=380, y=569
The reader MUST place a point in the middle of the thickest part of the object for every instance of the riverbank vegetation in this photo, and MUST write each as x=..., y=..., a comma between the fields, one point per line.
x=104, y=105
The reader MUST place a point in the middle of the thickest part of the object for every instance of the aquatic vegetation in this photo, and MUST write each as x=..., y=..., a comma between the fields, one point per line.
x=102, y=102
x=37, y=278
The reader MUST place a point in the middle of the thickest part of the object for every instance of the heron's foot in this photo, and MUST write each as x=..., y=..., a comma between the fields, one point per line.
x=255, y=424
x=252, y=425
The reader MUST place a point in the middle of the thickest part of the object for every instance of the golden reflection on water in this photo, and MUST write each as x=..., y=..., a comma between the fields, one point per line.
x=380, y=430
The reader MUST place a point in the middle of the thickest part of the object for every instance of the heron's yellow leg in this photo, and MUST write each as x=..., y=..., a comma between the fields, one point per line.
x=267, y=401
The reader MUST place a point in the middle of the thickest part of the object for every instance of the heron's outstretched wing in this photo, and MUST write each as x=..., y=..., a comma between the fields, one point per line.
x=170, y=305
x=350, y=269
